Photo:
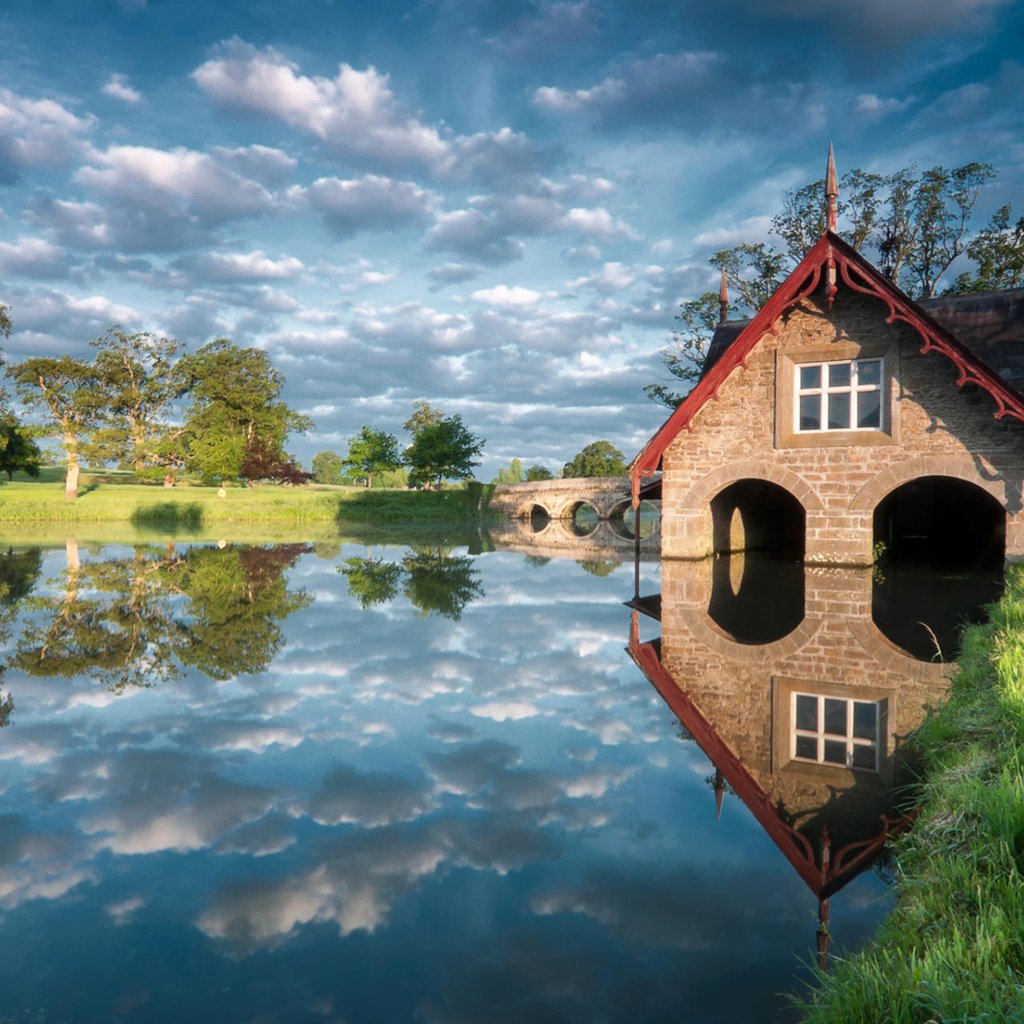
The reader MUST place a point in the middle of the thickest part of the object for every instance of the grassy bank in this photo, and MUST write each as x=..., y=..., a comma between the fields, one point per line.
x=198, y=509
x=953, y=949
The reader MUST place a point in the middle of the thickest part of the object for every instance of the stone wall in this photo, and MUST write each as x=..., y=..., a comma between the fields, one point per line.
x=930, y=429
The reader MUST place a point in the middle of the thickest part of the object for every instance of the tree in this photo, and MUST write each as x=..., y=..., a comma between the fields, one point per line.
x=441, y=451
x=69, y=391
x=139, y=377
x=511, y=474
x=372, y=451
x=371, y=581
x=538, y=472
x=18, y=451
x=440, y=583
x=5, y=320
x=601, y=458
x=261, y=462
x=236, y=405
x=998, y=250
x=423, y=415
x=684, y=358
x=327, y=467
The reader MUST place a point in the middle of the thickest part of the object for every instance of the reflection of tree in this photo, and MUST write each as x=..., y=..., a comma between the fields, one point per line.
x=19, y=571
x=435, y=581
x=598, y=568
x=238, y=596
x=371, y=580
x=136, y=621
x=440, y=582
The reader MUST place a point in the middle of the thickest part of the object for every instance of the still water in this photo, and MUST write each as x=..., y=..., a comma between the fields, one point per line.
x=406, y=783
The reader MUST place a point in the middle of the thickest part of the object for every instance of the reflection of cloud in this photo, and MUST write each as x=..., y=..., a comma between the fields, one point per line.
x=472, y=767
x=504, y=711
x=122, y=912
x=348, y=796
x=271, y=834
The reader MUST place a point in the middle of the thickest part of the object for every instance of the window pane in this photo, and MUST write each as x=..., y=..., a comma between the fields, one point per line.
x=835, y=716
x=864, y=757
x=838, y=375
x=865, y=720
x=869, y=409
x=810, y=412
x=869, y=371
x=835, y=752
x=807, y=747
x=839, y=412
x=806, y=712
x=810, y=377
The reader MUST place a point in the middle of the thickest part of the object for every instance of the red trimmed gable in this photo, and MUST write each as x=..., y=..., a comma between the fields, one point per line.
x=835, y=261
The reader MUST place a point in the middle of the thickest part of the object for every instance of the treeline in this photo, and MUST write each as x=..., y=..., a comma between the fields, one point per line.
x=442, y=448
x=143, y=404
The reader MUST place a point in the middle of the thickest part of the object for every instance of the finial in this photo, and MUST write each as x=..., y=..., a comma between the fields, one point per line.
x=719, y=793
x=723, y=300
x=831, y=191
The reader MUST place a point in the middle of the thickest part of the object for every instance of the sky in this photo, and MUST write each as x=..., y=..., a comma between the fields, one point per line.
x=492, y=205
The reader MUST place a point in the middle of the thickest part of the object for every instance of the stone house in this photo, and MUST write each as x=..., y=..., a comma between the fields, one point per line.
x=845, y=416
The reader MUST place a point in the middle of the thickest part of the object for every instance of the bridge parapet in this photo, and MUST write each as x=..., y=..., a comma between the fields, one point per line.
x=608, y=495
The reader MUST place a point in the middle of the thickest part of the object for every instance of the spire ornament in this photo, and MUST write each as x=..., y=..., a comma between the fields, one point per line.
x=723, y=300
x=831, y=192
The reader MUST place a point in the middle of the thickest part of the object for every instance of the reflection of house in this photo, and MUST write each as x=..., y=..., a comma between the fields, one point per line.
x=830, y=422
x=806, y=726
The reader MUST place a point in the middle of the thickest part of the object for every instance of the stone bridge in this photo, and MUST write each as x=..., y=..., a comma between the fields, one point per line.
x=544, y=511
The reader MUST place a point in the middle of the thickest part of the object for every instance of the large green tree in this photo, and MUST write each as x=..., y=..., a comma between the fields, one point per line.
x=372, y=451
x=140, y=379
x=327, y=467
x=18, y=451
x=236, y=408
x=998, y=252
x=442, y=451
x=601, y=458
x=68, y=392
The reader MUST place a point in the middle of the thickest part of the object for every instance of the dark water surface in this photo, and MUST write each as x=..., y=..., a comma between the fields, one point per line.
x=410, y=784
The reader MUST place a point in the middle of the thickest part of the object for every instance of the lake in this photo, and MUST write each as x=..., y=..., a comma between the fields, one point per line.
x=364, y=783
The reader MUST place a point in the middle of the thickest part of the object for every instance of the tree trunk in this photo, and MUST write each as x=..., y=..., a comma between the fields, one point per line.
x=71, y=478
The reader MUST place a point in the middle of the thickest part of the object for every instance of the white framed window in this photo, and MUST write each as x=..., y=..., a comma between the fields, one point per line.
x=839, y=396
x=835, y=731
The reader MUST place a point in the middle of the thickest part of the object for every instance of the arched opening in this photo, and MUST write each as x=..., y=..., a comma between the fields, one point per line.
x=941, y=543
x=943, y=522
x=757, y=515
x=623, y=519
x=756, y=598
x=584, y=518
x=539, y=518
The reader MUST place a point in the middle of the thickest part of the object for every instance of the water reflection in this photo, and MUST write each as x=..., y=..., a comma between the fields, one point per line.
x=803, y=704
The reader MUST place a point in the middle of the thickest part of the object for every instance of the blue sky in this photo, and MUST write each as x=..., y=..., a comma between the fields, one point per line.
x=494, y=206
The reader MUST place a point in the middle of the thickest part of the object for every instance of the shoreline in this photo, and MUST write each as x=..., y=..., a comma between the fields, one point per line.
x=953, y=946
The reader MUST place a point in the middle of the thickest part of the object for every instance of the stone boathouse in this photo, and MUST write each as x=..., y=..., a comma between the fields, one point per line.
x=845, y=416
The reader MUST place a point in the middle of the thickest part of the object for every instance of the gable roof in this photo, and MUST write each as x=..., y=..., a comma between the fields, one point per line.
x=829, y=259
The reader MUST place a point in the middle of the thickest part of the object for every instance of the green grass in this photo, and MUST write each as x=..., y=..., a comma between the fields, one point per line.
x=953, y=948
x=194, y=509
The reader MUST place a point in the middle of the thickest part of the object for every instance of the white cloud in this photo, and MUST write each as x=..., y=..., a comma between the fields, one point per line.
x=505, y=711
x=118, y=88
x=36, y=133
x=32, y=257
x=370, y=202
x=597, y=221
x=750, y=230
x=503, y=295
x=247, y=266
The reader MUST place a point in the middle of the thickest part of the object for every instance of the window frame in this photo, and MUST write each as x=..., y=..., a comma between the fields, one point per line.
x=820, y=734
x=825, y=390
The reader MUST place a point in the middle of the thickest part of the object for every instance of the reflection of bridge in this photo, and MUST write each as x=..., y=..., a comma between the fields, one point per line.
x=609, y=496
x=559, y=538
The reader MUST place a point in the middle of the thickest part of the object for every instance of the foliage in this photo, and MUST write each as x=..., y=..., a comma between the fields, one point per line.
x=18, y=452
x=139, y=379
x=68, y=391
x=423, y=415
x=372, y=451
x=691, y=340
x=443, y=450
x=998, y=251
x=5, y=320
x=263, y=463
x=511, y=474
x=601, y=458
x=327, y=467
x=538, y=472
x=371, y=581
x=235, y=408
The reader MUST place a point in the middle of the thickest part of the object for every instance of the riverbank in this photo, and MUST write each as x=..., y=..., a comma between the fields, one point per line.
x=953, y=948
x=192, y=509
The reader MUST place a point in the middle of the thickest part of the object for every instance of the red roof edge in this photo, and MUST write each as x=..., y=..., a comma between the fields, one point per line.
x=829, y=255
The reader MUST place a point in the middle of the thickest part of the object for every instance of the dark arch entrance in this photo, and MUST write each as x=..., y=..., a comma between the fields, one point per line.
x=942, y=521
x=757, y=515
x=539, y=518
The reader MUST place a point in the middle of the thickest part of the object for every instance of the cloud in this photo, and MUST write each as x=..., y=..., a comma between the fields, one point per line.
x=245, y=266
x=503, y=295
x=118, y=88
x=36, y=133
x=367, y=799
x=264, y=163
x=33, y=257
x=451, y=273
x=368, y=203
x=473, y=235
x=353, y=114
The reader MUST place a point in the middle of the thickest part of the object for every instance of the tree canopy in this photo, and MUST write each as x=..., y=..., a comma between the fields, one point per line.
x=441, y=451
x=372, y=451
x=601, y=458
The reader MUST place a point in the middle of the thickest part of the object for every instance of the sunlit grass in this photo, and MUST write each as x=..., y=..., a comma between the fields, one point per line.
x=953, y=949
